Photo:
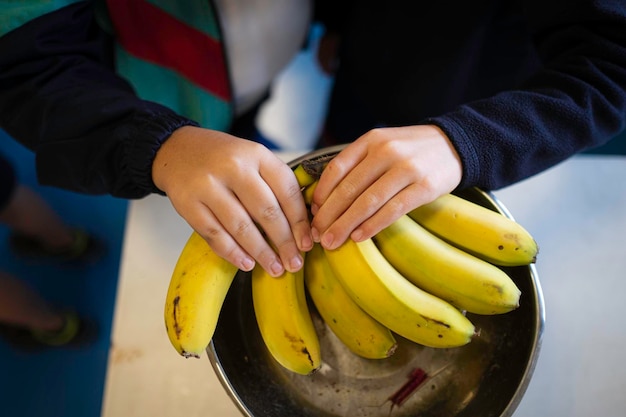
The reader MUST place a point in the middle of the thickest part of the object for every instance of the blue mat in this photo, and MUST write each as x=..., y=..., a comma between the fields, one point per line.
x=63, y=382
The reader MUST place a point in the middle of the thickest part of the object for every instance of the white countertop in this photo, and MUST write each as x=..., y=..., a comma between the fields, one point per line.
x=577, y=213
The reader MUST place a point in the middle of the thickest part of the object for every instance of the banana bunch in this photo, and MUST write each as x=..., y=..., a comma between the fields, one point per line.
x=416, y=279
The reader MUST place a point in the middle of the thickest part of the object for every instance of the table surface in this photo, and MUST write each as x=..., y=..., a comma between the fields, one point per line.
x=577, y=213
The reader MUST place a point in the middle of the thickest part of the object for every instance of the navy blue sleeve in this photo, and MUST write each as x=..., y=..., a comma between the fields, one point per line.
x=575, y=102
x=60, y=97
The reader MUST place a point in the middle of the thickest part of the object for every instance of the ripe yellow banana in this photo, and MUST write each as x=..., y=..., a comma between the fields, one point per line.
x=446, y=271
x=395, y=302
x=196, y=292
x=303, y=177
x=478, y=230
x=358, y=330
x=308, y=191
x=284, y=320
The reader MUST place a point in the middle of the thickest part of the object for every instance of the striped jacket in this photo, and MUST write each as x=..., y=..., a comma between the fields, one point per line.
x=121, y=75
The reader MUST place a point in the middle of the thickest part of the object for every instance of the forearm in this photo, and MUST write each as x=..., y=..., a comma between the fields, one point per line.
x=60, y=96
x=576, y=102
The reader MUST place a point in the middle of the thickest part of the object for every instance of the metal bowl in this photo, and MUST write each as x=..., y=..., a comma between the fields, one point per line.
x=487, y=377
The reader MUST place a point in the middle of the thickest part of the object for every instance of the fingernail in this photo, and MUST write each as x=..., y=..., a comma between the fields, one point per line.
x=314, y=208
x=327, y=241
x=306, y=243
x=295, y=263
x=246, y=264
x=357, y=235
x=315, y=235
x=276, y=268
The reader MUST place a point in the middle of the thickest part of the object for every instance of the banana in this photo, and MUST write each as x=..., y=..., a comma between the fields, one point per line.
x=196, y=292
x=303, y=177
x=478, y=230
x=395, y=302
x=361, y=334
x=284, y=320
x=308, y=191
x=441, y=269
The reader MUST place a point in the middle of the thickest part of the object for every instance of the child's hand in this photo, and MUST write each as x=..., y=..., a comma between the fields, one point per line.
x=382, y=175
x=238, y=195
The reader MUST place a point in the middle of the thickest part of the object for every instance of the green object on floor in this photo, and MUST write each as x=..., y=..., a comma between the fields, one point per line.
x=85, y=249
x=62, y=337
x=76, y=333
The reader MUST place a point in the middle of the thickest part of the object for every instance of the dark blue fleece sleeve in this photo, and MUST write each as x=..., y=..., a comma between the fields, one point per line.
x=576, y=101
x=60, y=97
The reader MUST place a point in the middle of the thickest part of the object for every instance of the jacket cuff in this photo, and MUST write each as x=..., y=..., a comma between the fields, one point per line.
x=149, y=130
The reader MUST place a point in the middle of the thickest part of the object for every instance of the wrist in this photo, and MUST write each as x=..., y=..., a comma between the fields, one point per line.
x=450, y=158
x=167, y=155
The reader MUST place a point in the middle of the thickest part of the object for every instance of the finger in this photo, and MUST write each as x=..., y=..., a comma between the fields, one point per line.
x=335, y=171
x=265, y=209
x=289, y=196
x=397, y=206
x=239, y=224
x=380, y=194
x=342, y=198
x=205, y=223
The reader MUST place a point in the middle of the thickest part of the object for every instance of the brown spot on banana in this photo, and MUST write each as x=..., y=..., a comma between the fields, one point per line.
x=308, y=355
x=177, y=328
x=435, y=321
x=299, y=346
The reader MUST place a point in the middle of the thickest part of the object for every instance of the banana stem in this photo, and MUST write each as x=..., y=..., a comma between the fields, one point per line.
x=315, y=166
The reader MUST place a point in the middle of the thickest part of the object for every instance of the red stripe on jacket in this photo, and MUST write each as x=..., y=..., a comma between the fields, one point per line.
x=151, y=34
